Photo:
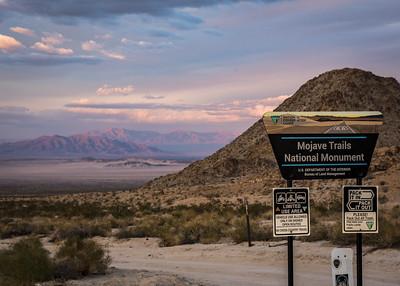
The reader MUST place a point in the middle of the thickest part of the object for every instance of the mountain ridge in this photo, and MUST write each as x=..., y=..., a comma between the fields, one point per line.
x=112, y=143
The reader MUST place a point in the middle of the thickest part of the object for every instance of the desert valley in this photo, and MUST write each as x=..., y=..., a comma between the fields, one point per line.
x=181, y=221
x=199, y=143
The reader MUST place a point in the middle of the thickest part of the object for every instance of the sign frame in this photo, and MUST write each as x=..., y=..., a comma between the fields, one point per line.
x=322, y=144
x=347, y=203
x=275, y=204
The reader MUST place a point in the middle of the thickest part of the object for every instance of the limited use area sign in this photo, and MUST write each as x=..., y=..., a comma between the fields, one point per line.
x=323, y=145
x=291, y=212
x=360, y=209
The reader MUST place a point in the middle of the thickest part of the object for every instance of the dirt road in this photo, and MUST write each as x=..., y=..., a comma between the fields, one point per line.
x=231, y=265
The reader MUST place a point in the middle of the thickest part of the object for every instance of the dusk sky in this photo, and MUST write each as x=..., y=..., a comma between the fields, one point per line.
x=73, y=66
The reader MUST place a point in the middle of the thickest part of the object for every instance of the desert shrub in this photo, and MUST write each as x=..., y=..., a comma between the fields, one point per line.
x=239, y=232
x=19, y=228
x=13, y=229
x=121, y=211
x=80, y=257
x=258, y=209
x=204, y=228
x=119, y=222
x=318, y=231
x=324, y=209
x=395, y=213
x=44, y=208
x=338, y=238
x=84, y=229
x=130, y=232
x=25, y=263
x=388, y=236
x=383, y=199
x=183, y=226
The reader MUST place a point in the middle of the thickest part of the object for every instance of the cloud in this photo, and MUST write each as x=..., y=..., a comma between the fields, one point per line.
x=47, y=60
x=54, y=39
x=76, y=9
x=9, y=44
x=49, y=49
x=107, y=90
x=15, y=115
x=106, y=36
x=153, y=96
x=23, y=31
x=113, y=55
x=184, y=21
x=163, y=34
x=13, y=109
x=93, y=46
x=231, y=111
x=49, y=43
x=147, y=44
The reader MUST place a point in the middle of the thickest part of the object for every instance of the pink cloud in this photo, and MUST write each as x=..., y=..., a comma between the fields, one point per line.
x=236, y=111
x=93, y=46
x=23, y=31
x=49, y=45
x=9, y=44
x=49, y=49
x=106, y=90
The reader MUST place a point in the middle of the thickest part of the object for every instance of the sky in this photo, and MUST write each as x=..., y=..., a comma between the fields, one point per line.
x=203, y=65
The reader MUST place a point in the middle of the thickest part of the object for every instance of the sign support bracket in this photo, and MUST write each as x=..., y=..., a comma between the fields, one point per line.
x=289, y=184
x=359, y=251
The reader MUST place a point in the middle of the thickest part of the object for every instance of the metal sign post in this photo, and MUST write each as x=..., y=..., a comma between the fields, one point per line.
x=246, y=205
x=359, y=251
x=360, y=215
x=289, y=184
x=291, y=217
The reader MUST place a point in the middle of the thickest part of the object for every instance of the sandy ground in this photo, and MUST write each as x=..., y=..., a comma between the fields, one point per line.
x=230, y=265
x=143, y=262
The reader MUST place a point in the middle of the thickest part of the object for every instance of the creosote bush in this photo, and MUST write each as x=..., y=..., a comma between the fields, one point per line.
x=25, y=263
x=258, y=232
x=80, y=257
x=82, y=229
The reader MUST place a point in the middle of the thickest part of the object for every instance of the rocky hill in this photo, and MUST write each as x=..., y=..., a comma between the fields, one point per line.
x=352, y=90
x=250, y=154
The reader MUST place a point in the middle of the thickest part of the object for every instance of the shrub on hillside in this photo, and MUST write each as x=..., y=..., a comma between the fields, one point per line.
x=388, y=236
x=20, y=228
x=82, y=230
x=13, y=229
x=239, y=232
x=25, y=263
x=130, y=232
x=318, y=231
x=80, y=257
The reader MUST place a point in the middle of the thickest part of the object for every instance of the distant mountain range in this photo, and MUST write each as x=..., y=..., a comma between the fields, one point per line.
x=118, y=143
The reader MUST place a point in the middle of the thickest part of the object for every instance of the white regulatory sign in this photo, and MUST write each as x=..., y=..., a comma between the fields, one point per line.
x=360, y=209
x=291, y=212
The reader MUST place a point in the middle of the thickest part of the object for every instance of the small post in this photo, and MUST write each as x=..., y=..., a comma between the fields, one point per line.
x=246, y=205
x=290, y=249
x=359, y=251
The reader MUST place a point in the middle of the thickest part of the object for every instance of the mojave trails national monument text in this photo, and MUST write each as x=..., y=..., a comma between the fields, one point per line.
x=321, y=156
